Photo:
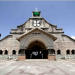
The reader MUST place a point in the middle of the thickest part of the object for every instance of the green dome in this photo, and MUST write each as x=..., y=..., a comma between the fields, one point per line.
x=36, y=13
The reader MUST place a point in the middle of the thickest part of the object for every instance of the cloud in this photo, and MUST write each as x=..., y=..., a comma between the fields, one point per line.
x=73, y=37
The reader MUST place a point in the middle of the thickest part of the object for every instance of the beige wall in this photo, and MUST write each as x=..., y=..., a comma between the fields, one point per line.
x=62, y=43
x=44, y=38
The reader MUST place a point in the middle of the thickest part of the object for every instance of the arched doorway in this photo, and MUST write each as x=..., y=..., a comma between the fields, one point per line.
x=36, y=50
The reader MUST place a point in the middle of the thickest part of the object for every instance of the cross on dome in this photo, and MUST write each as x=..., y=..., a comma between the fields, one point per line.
x=36, y=9
x=36, y=13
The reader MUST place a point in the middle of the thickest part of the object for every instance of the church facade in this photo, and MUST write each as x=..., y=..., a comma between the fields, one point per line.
x=37, y=39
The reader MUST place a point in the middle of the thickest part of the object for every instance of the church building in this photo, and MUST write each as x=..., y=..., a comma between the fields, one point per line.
x=37, y=39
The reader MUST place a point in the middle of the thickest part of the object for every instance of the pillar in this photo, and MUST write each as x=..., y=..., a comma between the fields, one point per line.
x=70, y=51
x=55, y=52
x=49, y=52
x=3, y=52
x=17, y=52
x=9, y=52
x=50, y=55
x=22, y=56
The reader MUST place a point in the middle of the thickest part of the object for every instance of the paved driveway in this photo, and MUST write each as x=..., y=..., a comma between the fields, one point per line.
x=37, y=67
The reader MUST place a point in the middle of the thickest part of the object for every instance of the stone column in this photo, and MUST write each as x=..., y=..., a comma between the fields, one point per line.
x=49, y=52
x=17, y=52
x=3, y=52
x=70, y=51
x=9, y=52
x=50, y=55
x=55, y=52
x=24, y=52
x=22, y=56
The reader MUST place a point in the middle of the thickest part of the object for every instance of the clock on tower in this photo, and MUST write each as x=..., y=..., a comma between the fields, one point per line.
x=36, y=23
x=36, y=16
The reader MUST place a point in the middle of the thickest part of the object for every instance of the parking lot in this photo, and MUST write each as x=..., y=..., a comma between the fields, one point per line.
x=37, y=67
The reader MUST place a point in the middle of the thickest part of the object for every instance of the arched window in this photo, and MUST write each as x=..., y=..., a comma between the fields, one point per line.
x=68, y=52
x=73, y=51
x=6, y=52
x=1, y=52
x=14, y=52
x=58, y=52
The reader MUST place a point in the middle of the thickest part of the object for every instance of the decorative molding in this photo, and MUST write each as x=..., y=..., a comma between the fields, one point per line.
x=16, y=32
x=56, y=32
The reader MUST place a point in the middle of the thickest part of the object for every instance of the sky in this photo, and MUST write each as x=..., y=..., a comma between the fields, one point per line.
x=60, y=13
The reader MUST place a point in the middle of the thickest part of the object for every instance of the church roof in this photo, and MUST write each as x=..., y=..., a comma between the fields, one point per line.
x=54, y=38
x=39, y=18
x=68, y=37
x=5, y=37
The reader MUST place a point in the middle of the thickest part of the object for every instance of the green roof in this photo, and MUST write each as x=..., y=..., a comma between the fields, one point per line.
x=36, y=13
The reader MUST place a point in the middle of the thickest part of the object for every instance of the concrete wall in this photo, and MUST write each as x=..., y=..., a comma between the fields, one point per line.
x=42, y=37
x=9, y=57
x=64, y=43
x=9, y=44
x=65, y=56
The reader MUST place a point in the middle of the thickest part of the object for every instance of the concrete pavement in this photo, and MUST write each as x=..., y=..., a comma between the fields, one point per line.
x=37, y=67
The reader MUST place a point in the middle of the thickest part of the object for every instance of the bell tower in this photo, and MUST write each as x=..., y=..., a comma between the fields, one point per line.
x=36, y=13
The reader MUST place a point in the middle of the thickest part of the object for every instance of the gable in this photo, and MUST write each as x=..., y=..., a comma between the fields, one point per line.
x=29, y=25
x=43, y=24
x=37, y=31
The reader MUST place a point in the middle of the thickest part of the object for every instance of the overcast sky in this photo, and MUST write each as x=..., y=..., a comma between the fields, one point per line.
x=60, y=13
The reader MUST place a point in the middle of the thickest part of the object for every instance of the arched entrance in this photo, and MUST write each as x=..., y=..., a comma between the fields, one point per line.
x=36, y=50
